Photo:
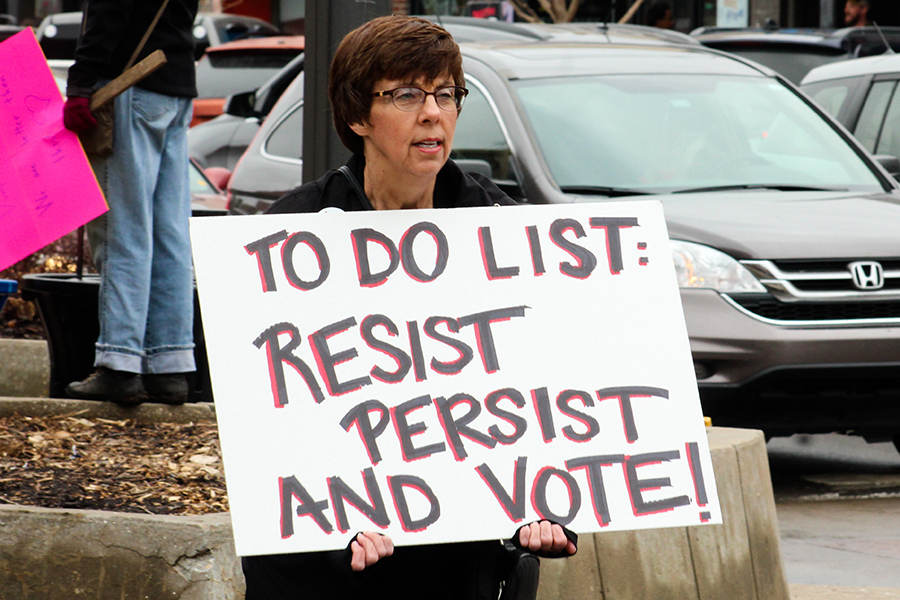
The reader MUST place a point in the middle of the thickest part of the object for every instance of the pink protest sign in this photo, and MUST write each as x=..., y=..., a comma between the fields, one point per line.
x=47, y=187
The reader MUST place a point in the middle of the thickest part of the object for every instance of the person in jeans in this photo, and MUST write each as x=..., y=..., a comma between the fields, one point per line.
x=142, y=245
x=396, y=87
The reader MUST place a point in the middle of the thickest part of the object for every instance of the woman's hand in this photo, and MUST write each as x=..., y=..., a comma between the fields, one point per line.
x=546, y=539
x=368, y=548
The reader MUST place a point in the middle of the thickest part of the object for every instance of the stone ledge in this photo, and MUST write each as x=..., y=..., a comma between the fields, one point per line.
x=24, y=368
x=144, y=413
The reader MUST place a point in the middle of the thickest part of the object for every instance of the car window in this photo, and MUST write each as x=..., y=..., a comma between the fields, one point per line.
x=479, y=135
x=830, y=95
x=199, y=184
x=673, y=132
x=872, y=115
x=286, y=139
x=231, y=30
x=889, y=139
x=222, y=74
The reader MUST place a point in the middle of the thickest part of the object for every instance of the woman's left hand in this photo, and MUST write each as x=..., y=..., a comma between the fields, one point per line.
x=546, y=539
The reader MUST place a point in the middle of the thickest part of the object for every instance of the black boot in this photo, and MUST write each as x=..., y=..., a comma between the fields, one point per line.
x=121, y=387
x=166, y=388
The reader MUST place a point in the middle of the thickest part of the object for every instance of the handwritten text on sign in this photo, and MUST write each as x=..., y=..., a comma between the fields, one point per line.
x=450, y=375
x=47, y=187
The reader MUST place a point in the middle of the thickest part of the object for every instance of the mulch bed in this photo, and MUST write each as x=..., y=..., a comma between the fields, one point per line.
x=80, y=463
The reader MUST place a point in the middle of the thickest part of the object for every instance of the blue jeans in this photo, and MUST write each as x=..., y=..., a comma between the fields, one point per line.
x=142, y=246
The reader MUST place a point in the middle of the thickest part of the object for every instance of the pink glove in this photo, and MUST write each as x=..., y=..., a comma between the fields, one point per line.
x=77, y=116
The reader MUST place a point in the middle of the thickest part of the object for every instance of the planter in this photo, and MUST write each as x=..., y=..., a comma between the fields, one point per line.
x=47, y=554
x=68, y=309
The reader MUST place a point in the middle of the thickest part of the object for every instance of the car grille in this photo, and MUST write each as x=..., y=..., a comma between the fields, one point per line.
x=772, y=308
x=816, y=291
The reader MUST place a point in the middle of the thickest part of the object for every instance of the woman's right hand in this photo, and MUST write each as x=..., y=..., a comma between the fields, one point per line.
x=368, y=548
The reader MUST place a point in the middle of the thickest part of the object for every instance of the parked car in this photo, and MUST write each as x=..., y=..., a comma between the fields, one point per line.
x=241, y=66
x=222, y=140
x=783, y=228
x=862, y=95
x=58, y=33
x=794, y=52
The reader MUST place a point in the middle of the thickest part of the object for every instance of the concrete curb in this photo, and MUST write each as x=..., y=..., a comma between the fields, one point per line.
x=55, y=553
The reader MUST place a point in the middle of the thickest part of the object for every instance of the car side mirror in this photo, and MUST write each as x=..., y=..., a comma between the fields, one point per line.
x=241, y=105
x=474, y=165
x=890, y=163
x=510, y=187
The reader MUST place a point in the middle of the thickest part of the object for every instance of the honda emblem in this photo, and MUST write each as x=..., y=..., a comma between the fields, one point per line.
x=867, y=275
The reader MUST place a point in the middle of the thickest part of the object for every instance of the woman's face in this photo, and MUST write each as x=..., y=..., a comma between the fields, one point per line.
x=414, y=143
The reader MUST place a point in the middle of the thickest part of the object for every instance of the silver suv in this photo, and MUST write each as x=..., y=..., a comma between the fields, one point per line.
x=784, y=231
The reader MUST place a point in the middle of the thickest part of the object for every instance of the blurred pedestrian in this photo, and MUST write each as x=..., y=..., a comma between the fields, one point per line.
x=142, y=245
x=660, y=15
x=856, y=13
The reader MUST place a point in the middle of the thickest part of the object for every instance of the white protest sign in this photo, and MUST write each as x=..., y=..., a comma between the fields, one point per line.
x=450, y=375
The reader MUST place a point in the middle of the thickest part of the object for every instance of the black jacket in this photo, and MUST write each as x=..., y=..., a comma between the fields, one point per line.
x=461, y=571
x=112, y=29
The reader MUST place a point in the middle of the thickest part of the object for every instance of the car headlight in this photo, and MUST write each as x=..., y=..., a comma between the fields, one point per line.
x=699, y=266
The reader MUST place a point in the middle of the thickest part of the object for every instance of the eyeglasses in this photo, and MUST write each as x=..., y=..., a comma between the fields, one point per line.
x=408, y=99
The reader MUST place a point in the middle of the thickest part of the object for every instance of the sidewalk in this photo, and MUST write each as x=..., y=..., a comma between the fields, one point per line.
x=832, y=592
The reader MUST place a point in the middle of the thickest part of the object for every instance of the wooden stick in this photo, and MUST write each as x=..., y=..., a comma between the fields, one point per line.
x=627, y=16
x=127, y=79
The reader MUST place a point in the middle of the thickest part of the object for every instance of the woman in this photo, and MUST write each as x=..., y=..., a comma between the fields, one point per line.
x=398, y=118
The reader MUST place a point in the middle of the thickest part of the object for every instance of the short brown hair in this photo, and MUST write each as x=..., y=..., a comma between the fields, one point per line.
x=396, y=47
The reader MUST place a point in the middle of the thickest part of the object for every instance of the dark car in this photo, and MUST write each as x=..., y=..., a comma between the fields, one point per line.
x=862, y=95
x=783, y=228
x=58, y=34
x=794, y=52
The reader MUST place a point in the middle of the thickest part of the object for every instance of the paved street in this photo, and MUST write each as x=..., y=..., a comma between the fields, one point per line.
x=838, y=502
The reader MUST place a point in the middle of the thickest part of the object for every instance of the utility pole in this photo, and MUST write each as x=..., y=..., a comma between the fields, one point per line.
x=327, y=22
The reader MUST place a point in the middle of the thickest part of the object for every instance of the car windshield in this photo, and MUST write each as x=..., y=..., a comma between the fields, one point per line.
x=670, y=133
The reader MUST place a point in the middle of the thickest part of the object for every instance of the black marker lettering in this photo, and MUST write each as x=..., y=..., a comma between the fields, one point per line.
x=261, y=248
x=277, y=355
